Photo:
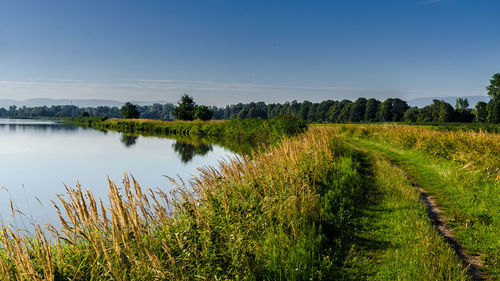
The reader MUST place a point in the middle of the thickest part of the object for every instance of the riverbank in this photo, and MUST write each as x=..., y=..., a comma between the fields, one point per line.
x=256, y=130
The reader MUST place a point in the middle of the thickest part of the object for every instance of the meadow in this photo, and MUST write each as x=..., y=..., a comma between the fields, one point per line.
x=331, y=203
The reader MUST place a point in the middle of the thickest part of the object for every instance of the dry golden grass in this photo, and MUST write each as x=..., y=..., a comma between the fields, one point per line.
x=216, y=223
x=474, y=150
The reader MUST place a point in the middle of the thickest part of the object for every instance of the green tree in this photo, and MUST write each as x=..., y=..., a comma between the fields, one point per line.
x=399, y=107
x=185, y=109
x=411, y=115
x=372, y=106
x=385, y=112
x=494, y=111
x=304, y=109
x=494, y=104
x=494, y=87
x=445, y=112
x=462, y=104
x=203, y=113
x=358, y=109
x=481, y=112
x=129, y=111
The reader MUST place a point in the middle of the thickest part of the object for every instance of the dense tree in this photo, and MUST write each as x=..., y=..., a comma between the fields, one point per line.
x=481, y=112
x=411, y=115
x=494, y=104
x=345, y=112
x=203, y=113
x=358, y=110
x=311, y=115
x=399, y=108
x=129, y=111
x=494, y=87
x=322, y=110
x=185, y=108
x=304, y=109
x=494, y=111
x=386, y=111
x=446, y=112
x=372, y=107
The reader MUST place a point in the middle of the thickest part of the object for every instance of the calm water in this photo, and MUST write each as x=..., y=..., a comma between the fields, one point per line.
x=38, y=157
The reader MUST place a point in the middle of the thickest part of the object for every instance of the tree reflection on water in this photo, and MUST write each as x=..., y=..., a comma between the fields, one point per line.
x=128, y=140
x=187, y=150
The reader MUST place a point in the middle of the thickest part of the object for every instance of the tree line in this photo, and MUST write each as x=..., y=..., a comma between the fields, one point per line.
x=328, y=111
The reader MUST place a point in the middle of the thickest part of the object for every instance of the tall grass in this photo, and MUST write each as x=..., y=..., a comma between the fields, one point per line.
x=473, y=150
x=281, y=214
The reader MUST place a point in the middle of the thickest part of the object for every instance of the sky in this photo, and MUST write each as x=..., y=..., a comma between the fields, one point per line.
x=225, y=52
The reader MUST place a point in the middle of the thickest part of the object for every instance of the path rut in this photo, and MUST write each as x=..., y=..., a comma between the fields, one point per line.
x=471, y=262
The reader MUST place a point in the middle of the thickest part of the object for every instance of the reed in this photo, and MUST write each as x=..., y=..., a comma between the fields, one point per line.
x=263, y=216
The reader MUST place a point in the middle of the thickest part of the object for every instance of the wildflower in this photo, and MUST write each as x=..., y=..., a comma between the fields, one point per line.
x=498, y=178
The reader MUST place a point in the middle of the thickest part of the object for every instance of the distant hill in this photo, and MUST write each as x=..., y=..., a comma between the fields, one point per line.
x=5, y=103
x=421, y=102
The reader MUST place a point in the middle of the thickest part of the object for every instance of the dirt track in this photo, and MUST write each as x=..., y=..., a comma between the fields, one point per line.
x=471, y=262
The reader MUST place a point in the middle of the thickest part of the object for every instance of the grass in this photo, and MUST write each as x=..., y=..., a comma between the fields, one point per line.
x=459, y=169
x=229, y=133
x=396, y=240
x=310, y=207
x=283, y=214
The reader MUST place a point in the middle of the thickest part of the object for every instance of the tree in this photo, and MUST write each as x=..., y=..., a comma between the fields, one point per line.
x=399, y=108
x=185, y=109
x=494, y=87
x=481, y=112
x=304, y=109
x=462, y=111
x=445, y=112
x=85, y=114
x=372, y=106
x=494, y=104
x=494, y=111
x=462, y=104
x=385, y=112
x=129, y=111
x=203, y=113
x=358, y=109
x=411, y=114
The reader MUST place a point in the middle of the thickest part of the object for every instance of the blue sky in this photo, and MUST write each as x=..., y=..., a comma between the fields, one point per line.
x=224, y=52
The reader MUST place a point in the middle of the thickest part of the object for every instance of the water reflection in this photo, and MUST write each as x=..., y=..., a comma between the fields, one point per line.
x=187, y=150
x=41, y=127
x=128, y=140
x=39, y=157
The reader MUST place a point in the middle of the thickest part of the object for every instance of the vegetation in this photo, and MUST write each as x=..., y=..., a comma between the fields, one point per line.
x=494, y=104
x=129, y=111
x=460, y=169
x=331, y=203
x=188, y=110
x=395, y=240
x=266, y=218
x=246, y=130
x=185, y=109
x=328, y=111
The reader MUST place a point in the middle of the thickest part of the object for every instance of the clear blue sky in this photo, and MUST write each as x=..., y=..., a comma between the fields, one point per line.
x=223, y=52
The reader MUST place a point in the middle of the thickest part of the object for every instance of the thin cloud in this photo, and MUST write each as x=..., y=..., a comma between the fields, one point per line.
x=205, y=92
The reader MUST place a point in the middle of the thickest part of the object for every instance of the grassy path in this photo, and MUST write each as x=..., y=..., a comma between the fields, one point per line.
x=471, y=262
x=395, y=238
x=468, y=203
